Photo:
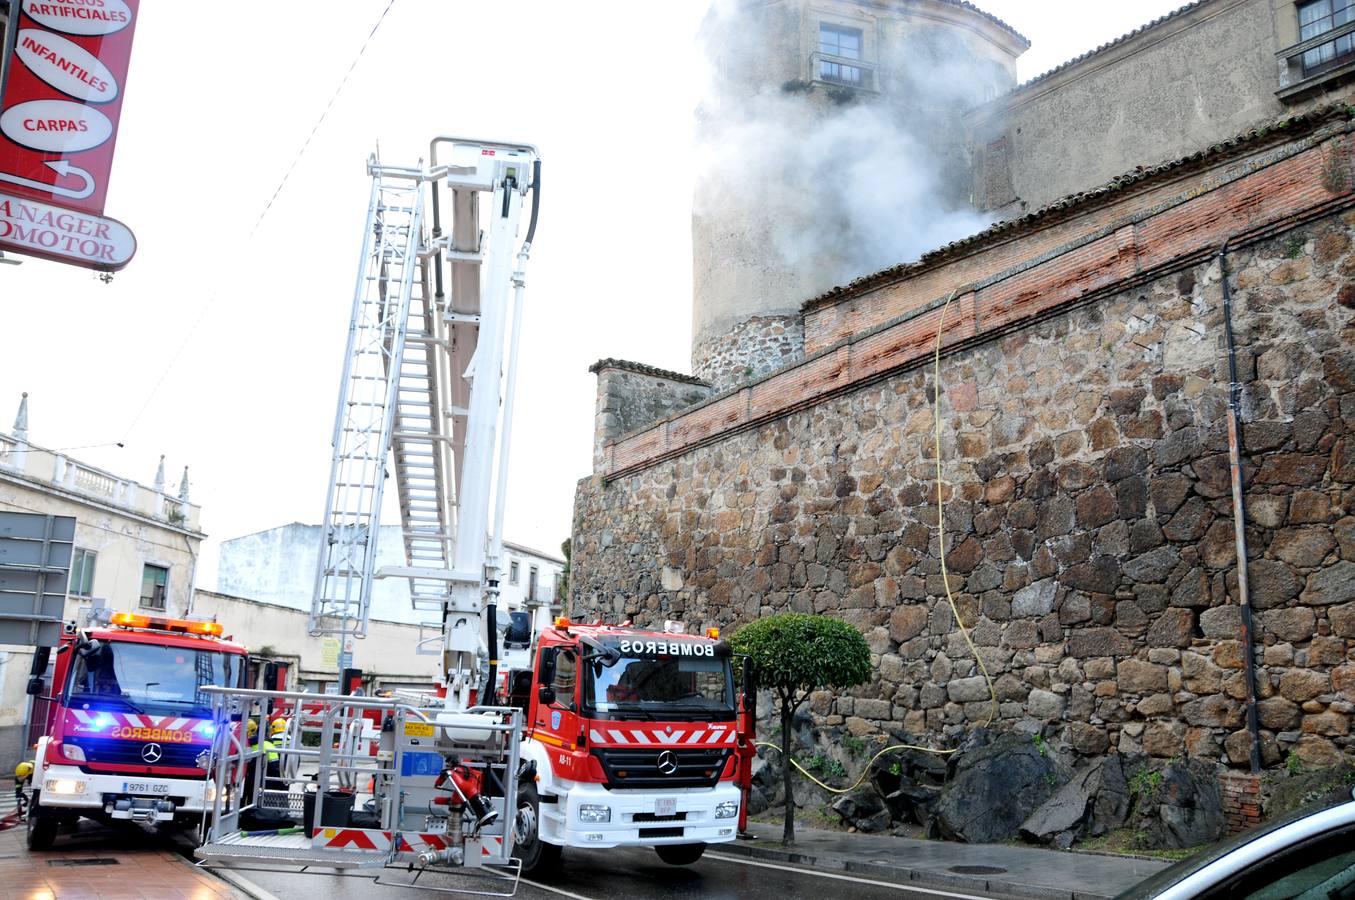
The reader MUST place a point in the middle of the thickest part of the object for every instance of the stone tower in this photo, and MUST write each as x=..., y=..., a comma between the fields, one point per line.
x=831, y=145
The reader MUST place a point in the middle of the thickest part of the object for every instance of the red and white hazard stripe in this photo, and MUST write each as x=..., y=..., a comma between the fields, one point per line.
x=166, y=723
x=707, y=735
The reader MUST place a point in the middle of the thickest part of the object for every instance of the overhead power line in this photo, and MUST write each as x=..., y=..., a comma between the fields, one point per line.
x=214, y=293
x=318, y=122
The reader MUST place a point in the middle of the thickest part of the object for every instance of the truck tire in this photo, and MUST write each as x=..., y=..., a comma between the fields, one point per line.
x=680, y=854
x=42, y=826
x=538, y=857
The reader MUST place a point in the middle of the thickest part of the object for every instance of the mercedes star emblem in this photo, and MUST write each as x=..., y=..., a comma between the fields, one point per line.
x=668, y=762
x=151, y=753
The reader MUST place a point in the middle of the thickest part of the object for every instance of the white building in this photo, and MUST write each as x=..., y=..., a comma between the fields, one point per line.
x=278, y=566
x=136, y=547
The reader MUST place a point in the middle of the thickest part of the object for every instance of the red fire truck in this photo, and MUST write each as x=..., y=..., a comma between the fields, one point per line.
x=129, y=728
x=635, y=737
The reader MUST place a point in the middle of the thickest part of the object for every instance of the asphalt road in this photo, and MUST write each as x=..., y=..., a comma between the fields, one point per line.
x=623, y=874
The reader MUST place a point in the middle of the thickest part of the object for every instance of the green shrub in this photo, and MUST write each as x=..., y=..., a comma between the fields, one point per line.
x=795, y=654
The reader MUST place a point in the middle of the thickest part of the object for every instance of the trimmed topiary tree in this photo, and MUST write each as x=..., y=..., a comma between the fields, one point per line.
x=795, y=654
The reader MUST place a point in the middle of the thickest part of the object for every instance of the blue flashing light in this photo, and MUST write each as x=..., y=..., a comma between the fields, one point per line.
x=207, y=729
x=103, y=720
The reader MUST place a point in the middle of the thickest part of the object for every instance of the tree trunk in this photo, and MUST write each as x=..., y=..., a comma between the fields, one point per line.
x=787, y=714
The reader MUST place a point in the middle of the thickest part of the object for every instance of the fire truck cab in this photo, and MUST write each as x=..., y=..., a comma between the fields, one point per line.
x=632, y=739
x=129, y=728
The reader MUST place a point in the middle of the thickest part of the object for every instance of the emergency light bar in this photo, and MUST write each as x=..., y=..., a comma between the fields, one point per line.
x=157, y=623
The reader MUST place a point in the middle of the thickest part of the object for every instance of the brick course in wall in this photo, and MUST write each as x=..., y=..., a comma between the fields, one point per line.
x=1241, y=796
x=1088, y=522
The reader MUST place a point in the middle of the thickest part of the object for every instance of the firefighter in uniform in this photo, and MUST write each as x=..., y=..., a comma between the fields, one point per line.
x=23, y=779
x=277, y=735
x=252, y=742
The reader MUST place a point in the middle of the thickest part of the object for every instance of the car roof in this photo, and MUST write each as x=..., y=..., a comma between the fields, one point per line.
x=1302, y=823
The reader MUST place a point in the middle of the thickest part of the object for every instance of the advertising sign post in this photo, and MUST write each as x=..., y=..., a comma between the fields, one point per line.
x=58, y=125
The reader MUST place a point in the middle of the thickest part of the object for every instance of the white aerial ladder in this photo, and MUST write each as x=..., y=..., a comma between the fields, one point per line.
x=429, y=378
x=426, y=395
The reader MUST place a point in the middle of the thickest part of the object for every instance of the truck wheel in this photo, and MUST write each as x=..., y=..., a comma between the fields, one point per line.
x=42, y=826
x=537, y=856
x=680, y=854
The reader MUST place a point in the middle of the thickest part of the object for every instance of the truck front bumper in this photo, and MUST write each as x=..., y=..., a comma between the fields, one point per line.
x=140, y=798
x=641, y=818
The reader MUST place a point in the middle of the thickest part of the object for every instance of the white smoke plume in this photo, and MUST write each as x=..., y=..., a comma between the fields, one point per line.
x=845, y=183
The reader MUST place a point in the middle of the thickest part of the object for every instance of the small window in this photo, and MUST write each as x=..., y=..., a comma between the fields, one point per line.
x=566, y=676
x=531, y=584
x=513, y=572
x=1317, y=18
x=555, y=586
x=154, y=586
x=842, y=43
x=82, y=573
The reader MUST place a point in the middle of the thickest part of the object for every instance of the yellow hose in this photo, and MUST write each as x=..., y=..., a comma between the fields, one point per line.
x=941, y=514
x=950, y=598
x=833, y=790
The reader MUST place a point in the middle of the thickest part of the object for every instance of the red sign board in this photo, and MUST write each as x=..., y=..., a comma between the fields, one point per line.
x=58, y=123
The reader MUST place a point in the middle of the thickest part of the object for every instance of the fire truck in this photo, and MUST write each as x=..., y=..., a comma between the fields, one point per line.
x=129, y=727
x=542, y=736
x=632, y=739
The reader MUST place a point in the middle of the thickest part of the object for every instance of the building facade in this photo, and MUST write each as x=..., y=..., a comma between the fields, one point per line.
x=136, y=545
x=388, y=655
x=1085, y=383
x=811, y=105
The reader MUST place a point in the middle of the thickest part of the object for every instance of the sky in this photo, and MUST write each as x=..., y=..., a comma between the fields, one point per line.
x=221, y=344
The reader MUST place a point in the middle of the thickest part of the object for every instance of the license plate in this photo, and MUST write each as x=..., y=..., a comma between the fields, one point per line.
x=144, y=787
x=665, y=806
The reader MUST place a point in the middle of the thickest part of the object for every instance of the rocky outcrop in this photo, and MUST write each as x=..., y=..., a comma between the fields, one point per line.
x=1094, y=801
x=996, y=788
x=1179, y=806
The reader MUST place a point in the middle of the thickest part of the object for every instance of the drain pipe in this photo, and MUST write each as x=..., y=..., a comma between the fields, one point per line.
x=1240, y=514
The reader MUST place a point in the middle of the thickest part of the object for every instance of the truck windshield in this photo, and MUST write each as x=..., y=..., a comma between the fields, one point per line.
x=676, y=687
x=150, y=678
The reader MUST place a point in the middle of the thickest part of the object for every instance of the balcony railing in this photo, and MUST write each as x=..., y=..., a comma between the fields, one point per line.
x=37, y=464
x=1302, y=68
x=841, y=71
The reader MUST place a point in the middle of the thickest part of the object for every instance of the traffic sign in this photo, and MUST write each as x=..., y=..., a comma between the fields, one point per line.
x=62, y=98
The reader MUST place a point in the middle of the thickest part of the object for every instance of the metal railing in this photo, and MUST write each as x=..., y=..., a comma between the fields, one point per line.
x=342, y=751
x=1301, y=66
x=842, y=71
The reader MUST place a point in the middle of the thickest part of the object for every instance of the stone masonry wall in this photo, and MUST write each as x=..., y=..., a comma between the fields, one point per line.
x=1088, y=520
x=631, y=396
x=751, y=348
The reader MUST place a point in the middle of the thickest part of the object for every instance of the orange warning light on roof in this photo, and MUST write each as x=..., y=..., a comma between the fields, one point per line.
x=157, y=623
x=561, y=622
x=713, y=633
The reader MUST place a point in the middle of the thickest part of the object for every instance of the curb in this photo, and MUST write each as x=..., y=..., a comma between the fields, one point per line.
x=241, y=884
x=908, y=875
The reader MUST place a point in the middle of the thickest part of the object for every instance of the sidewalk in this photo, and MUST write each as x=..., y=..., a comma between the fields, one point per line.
x=983, y=868
x=102, y=865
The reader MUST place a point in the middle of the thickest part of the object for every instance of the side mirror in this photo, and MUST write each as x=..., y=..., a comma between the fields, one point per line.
x=35, y=686
x=749, y=682
x=546, y=695
x=545, y=673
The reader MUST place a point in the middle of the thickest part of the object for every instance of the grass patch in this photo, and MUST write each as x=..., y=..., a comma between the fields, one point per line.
x=1129, y=842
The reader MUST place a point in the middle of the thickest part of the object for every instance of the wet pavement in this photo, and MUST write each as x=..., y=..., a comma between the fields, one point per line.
x=999, y=869
x=822, y=863
x=619, y=874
